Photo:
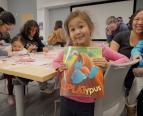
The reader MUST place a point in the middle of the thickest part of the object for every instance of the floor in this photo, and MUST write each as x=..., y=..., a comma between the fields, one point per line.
x=36, y=103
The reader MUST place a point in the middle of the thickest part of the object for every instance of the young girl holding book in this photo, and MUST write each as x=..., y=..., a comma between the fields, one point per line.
x=79, y=28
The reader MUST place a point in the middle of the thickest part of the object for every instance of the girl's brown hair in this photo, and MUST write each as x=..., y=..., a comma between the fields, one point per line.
x=18, y=38
x=81, y=14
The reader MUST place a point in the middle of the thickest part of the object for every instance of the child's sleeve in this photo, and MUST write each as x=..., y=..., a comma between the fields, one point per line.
x=58, y=60
x=137, y=50
x=114, y=56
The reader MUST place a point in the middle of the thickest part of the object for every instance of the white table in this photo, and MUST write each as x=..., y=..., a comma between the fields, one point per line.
x=39, y=70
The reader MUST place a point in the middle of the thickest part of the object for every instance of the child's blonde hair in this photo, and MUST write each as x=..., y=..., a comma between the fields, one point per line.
x=81, y=14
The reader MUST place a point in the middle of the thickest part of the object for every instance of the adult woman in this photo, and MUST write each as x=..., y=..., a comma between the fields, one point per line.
x=123, y=43
x=5, y=36
x=58, y=37
x=30, y=33
x=7, y=22
x=33, y=43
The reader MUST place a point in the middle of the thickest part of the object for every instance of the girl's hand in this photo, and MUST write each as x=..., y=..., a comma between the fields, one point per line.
x=31, y=47
x=101, y=62
x=45, y=49
x=137, y=57
x=62, y=67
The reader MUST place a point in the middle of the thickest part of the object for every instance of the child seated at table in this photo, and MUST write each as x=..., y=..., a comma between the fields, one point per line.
x=16, y=48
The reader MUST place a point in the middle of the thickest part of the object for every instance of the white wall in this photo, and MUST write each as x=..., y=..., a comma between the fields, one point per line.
x=57, y=14
x=48, y=11
x=3, y=3
x=23, y=10
x=57, y=3
x=42, y=17
x=139, y=4
x=100, y=12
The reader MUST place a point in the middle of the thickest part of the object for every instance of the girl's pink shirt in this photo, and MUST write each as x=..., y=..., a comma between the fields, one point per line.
x=108, y=53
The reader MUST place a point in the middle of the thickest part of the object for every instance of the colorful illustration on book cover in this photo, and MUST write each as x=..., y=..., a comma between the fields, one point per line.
x=82, y=77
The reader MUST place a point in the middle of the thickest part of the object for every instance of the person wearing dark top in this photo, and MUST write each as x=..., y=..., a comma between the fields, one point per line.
x=123, y=42
x=33, y=43
x=7, y=22
x=123, y=39
x=30, y=33
x=5, y=36
x=114, y=27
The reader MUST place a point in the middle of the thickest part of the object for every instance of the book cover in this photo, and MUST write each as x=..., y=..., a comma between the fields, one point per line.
x=82, y=78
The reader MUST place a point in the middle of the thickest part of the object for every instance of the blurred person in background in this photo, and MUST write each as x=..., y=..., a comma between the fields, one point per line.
x=114, y=26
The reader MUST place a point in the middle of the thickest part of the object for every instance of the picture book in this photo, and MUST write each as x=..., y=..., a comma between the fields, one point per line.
x=82, y=77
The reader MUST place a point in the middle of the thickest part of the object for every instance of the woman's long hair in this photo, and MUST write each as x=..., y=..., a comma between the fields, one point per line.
x=27, y=28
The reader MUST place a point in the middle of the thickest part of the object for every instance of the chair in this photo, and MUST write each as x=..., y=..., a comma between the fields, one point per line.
x=113, y=102
x=57, y=107
x=137, y=89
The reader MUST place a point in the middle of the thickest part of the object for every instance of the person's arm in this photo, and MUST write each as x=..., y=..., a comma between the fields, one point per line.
x=114, y=56
x=31, y=47
x=117, y=41
x=52, y=39
x=114, y=46
x=109, y=55
x=57, y=61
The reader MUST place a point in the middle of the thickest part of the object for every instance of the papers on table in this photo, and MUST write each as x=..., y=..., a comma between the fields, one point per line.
x=38, y=59
x=32, y=60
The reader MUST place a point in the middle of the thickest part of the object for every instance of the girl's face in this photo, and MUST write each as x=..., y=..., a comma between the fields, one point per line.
x=17, y=46
x=79, y=32
x=33, y=31
x=137, y=24
x=5, y=27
